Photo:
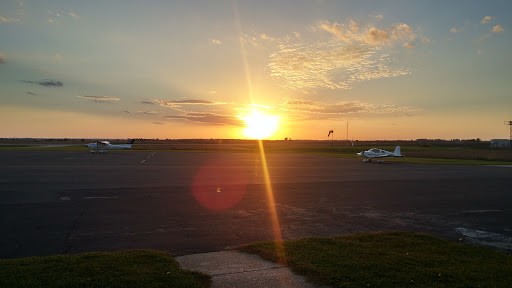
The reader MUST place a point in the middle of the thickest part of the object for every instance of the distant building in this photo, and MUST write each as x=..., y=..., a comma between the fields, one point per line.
x=500, y=143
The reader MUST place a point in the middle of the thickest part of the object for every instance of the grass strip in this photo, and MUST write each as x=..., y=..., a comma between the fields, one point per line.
x=134, y=268
x=391, y=259
x=436, y=155
x=416, y=160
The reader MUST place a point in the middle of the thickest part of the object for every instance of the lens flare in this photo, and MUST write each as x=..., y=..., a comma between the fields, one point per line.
x=219, y=185
x=260, y=127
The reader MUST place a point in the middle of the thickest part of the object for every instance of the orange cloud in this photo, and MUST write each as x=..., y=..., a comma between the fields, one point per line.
x=497, y=29
x=370, y=35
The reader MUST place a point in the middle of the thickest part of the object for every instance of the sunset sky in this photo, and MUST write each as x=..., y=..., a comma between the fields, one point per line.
x=196, y=69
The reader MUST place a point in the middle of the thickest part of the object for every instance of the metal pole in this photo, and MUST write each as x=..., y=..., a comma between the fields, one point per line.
x=510, y=124
x=347, y=134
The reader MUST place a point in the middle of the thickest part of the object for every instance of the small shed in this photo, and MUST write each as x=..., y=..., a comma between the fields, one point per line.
x=500, y=143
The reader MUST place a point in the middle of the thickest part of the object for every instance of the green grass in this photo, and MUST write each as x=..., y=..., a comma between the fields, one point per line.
x=70, y=148
x=137, y=268
x=392, y=259
x=415, y=160
x=418, y=160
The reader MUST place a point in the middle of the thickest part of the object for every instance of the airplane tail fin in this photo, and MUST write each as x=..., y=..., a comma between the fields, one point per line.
x=397, y=152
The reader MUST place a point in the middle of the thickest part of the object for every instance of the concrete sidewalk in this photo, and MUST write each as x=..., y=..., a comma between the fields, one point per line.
x=237, y=269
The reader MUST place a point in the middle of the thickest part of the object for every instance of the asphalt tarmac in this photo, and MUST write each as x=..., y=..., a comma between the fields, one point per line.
x=192, y=202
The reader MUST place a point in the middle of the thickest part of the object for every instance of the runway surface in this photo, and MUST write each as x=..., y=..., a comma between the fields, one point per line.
x=190, y=202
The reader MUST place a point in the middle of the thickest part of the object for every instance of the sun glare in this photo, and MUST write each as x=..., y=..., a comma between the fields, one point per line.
x=260, y=125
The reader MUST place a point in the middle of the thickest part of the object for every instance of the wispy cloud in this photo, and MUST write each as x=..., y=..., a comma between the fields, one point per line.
x=15, y=15
x=454, y=30
x=158, y=123
x=179, y=103
x=353, y=54
x=371, y=35
x=8, y=19
x=59, y=14
x=46, y=83
x=486, y=20
x=317, y=110
x=31, y=93
x=208, y=118
x=148, y=112
x=216, y=42
x=100, y=99
x=73, y=14
x=266, y=37
x=409, y=45
x=331, y=65
x=12, y=14
x=2, y=58
x=148, y=102
x=194, y=102
x=497, y=29
x=262, y=39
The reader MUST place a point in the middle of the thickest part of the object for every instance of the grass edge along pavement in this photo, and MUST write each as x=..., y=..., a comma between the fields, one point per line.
x=129, y=268
x=390, y=259
x=384, y=259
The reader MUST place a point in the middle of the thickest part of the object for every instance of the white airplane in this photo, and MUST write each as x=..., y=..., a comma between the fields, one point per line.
x=104, y=146
x=368, y=155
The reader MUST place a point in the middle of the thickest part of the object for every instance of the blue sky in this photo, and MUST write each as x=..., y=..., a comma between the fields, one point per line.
x=193, y=69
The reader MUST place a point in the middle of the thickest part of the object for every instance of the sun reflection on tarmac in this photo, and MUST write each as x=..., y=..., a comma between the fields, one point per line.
x=276, y=226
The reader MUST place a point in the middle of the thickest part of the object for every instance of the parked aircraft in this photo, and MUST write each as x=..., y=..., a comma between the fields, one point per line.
x=104, y=146
x=368, y=155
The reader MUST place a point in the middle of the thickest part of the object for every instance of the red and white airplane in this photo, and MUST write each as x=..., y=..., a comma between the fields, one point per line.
x=104, y=146
x=368, y=155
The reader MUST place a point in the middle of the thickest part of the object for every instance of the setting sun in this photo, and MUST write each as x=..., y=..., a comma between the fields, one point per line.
x=260, y=125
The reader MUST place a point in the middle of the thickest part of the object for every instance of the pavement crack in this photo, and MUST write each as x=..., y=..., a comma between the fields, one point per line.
x=248, y=271
x=74, y=225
